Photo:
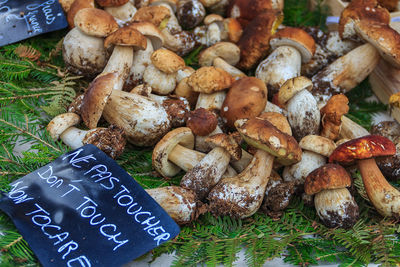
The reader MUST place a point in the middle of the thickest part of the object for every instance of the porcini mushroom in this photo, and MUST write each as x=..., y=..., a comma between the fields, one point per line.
x=83, y=49
x=241, y=196
x=180, y=203
x=190, y=13
x=207, y=173
x=110, y=140
x=303, y=113
x=382, y=195
x=333, y=202
x=291, y=47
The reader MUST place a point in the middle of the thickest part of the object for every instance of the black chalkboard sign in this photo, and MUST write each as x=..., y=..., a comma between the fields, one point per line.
x=83, y=209
x=20, y=19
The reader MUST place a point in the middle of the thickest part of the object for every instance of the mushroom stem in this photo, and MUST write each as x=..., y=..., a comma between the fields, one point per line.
x=121, y=61
x=241, y=196
x=73, y=137
x=350, y=130
x=207, y=173
x=384, y=197
x=212, y=101
x=184, y=157
x=233, y=71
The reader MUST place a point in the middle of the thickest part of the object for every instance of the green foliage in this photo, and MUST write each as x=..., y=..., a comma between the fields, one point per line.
x=297, y=14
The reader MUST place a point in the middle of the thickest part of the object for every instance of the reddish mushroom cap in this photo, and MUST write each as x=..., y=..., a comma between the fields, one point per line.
x=363, y=148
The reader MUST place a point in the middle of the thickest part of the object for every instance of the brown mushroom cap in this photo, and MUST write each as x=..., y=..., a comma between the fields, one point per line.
x=61, y=123
x=278, y=120
x=167, y=61
x=263, y=135
x=210, y=18
x=201, y=121
x=228, y=143
x=95, y=22
x=296, y=38
x=111, y=3
x=254, y=42
x=234, y=29
x=153, y=14
x=75, y=7
x=363, y=148
x=245, y=99
x=225, y=50
x=209, y=80
x=150, y=31
x=328, y=176
x=182, y=136
x=331, y=115
x=126, y=36
x=292, y=87
x=110, y=140
x=96, y=97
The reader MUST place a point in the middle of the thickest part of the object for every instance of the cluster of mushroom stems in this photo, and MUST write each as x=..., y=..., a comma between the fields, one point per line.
x=290, y=116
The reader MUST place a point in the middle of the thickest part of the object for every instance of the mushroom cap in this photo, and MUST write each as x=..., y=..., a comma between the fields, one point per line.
x=263, y=135
x=292, y=87
x=245, y=99
x=96, y=97
x=167, y=61
x=357, y=10
x=363, y=148
x=318, y=144
x=328, y=176
x=150, y=31
x=384, y=38
x=190, y=13
x=153, y=14
x=171, y=3
x=95, y=22
x=335, y=108
x=201, y=121
x=227, y=142
x=126, y=36
x=254, y=42
x=110, y=3
x=297, y=38
x=209, y=80
x=61, y=123
x=110, y=140
x=75, y=7
x=278, y=120
x=182, y=136
x=210, y=18
x=225, y=50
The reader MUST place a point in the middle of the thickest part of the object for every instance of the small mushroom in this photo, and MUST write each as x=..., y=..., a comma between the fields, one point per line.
x=110, y=140
x=75, y=7
x=316, y=149
x=382, y=195
x=180, y=203
x=83, y=49
x=207, y=173
x=331, y=116
x=122, y=13
x=241, y=196
x=333, y=202
x=161, y=75
x=202, y=122
x=245, y=99
x=303, y=113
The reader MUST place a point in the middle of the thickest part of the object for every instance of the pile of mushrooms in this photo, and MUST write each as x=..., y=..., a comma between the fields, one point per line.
x=242, y=144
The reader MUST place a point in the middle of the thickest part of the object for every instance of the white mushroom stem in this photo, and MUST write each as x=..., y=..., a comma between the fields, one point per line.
x=212, y=101
x=233, y=71
x=186, y=159
x=173, y=23
x=299, y=171
x=384, y=197
x=351, y=130
x=207, y=173
x=73, y=137
x=271, y=107
x=281, y=65
x=213, y=34
x=178, y=202
x=141, y=59
x=121, y=61
x=241, y=196
x=122, y=14
x=143, y=120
